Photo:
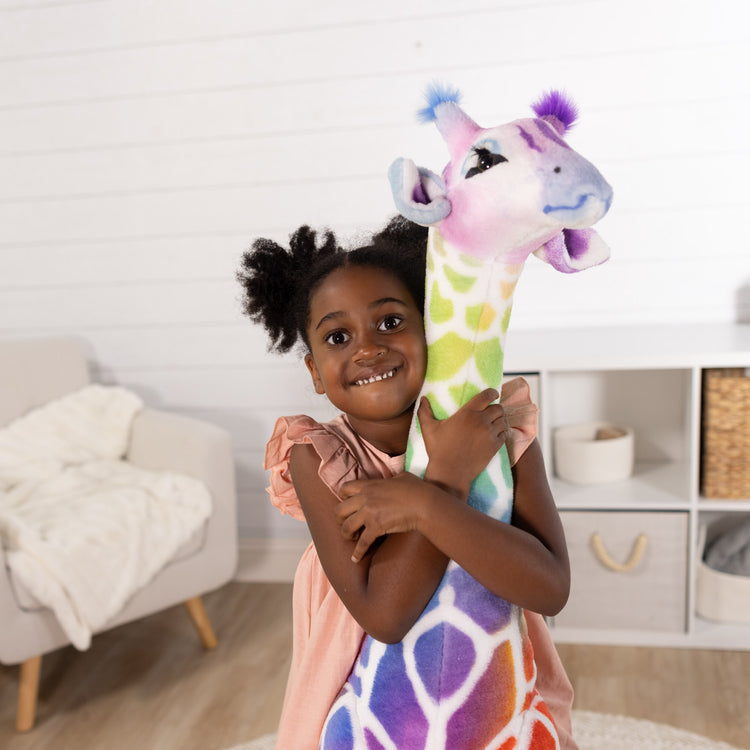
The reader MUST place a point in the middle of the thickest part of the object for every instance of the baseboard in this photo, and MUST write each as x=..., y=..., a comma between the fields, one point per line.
x=269, y=560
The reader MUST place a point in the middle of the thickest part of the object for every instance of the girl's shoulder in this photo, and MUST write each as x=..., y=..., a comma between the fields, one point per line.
x=344, y=456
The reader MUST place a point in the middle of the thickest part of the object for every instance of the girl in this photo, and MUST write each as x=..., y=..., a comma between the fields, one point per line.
x=382, y=538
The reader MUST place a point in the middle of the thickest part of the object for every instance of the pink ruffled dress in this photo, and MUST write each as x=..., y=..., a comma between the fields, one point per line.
x=326, y=638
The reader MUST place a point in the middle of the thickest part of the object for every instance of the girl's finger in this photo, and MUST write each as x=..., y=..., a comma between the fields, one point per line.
x=351, y=528
x=494, y=411
x=500, y=418
x=424, y=411
x=483, y=399
x=346, y=509
x=363, y=544
x=350, y=489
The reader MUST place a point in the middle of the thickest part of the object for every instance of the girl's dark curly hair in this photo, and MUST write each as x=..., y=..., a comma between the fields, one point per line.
x=278, y=283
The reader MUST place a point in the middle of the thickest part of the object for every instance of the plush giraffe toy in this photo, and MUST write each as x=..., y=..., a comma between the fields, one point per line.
x=507, y=192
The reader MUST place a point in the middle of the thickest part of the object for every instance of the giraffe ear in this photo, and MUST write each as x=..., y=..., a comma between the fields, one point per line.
x=419, y=194
x=574, y=250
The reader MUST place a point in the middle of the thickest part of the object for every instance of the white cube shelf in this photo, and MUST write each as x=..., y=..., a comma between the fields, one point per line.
x=648, y=379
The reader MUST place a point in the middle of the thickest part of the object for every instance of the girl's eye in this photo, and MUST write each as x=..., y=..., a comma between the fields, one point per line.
x=390, y=323
x=336, y=338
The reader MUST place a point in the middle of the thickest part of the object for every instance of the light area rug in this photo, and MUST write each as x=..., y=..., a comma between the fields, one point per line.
x=595, y=731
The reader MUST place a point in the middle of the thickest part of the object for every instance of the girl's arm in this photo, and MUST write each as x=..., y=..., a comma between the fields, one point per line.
x=392, y=581
x=525, y=562
x=390, y=585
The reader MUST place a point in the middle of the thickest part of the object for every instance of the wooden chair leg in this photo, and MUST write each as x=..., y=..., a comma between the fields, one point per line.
x=200, y=620
x=28, y=689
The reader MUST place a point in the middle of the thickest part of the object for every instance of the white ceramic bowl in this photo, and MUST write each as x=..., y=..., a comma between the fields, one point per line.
x=582, y=459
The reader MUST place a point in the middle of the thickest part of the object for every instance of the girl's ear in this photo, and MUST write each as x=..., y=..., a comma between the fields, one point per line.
x=317, y=382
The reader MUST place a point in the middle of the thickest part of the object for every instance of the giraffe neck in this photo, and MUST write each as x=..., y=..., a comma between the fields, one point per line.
x=467, y=310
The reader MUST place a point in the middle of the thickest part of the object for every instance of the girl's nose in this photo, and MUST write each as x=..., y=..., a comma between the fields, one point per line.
x=369, y=349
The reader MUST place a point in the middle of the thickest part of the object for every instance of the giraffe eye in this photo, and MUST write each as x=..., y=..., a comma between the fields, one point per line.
x=485, y=160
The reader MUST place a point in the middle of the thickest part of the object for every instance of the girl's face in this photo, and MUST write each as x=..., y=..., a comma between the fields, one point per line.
x=367, y=347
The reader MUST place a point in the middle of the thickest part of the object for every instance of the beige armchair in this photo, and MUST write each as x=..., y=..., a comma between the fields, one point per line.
x=34, y=372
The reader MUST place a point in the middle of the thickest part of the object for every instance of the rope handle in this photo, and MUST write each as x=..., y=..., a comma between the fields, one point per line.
x=636, y=554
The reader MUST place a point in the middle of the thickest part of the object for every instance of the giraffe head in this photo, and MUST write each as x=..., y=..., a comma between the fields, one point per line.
x=510, y=190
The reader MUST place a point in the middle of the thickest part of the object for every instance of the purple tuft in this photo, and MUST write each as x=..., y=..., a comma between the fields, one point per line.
x=436, y=94
x=558, y=105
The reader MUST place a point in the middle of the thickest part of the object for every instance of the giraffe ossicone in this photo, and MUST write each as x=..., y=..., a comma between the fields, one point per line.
x=507, y=192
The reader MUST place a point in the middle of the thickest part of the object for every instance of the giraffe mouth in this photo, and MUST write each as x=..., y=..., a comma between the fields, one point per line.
x=377, y=378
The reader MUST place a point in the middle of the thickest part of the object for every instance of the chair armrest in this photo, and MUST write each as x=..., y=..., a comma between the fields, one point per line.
x=166, y=441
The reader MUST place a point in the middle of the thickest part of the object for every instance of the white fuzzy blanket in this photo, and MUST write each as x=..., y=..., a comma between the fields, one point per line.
x=82, y=529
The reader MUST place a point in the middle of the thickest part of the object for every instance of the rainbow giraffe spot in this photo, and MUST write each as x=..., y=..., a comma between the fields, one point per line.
x=441, y=308
x=488, y=356
x=507, y=288
x=457, y=649
x=471, y=261
x=339, y=731
x=459, y=281
x=447, y=356
x=480, y=317
x=438, y=246
x=483, y=493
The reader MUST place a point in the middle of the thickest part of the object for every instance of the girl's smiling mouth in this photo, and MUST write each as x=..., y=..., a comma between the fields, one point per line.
x=377, y=378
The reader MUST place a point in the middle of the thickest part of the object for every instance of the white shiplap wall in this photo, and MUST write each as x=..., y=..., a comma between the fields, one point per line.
x=143, y=144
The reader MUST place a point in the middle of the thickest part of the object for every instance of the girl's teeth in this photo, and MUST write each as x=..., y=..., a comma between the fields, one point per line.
x=376, y=378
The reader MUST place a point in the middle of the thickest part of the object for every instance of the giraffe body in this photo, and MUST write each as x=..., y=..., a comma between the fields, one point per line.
x=464, y=675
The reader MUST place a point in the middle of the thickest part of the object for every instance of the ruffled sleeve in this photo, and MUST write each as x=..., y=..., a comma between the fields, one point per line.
x=338, y=463
x=521, y=414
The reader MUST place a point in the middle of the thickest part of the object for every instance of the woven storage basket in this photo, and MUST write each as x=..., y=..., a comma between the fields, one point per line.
x=725, y=459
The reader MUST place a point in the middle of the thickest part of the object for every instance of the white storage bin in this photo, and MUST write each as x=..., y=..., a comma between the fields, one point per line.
x=721, y=597
x=581, y=458
x=628, y=570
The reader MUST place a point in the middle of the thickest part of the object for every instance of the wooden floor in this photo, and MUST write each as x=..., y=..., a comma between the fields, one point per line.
x=149, y=684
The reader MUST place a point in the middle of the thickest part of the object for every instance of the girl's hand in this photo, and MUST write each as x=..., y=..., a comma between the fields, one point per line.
x=460, y=447
x=525, y=562
x=372, y=508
